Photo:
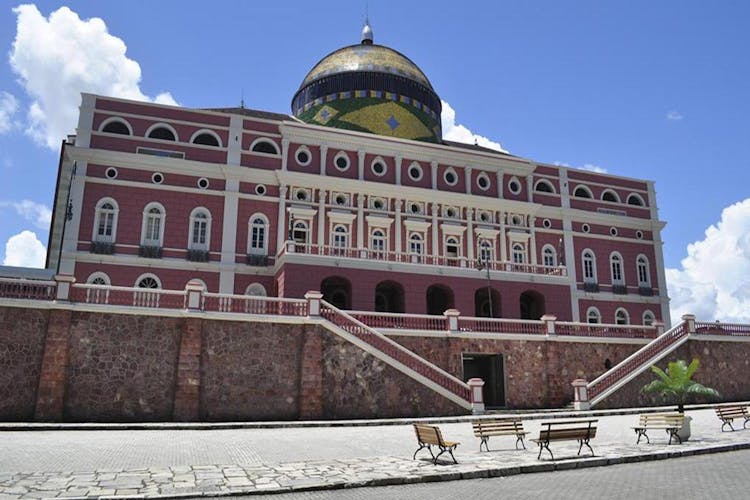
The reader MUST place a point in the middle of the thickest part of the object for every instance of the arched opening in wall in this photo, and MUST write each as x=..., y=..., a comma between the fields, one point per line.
x=337, y=291
x=389, y=297
x=487, y=305
x=439, y=299
x=532, y=305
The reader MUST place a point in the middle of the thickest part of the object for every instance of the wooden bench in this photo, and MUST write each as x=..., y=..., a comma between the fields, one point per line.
x=670, y=422
x=429, y=436
x=727, y=413
x=566, y=430
x=485, y=428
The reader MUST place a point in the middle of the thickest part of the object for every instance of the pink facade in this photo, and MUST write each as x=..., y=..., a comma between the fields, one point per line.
x=254, y=202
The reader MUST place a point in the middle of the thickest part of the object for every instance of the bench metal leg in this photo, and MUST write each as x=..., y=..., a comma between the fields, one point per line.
x=422, y=446
x=728, y=421
x=673, y=433
x=744, y=425
x=443, y=450
x=484, y=442
x=641, y=433
x=520, y=439
x=544, y=445
x=585, y=442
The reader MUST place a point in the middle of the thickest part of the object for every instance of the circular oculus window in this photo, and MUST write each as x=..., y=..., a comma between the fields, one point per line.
x=341, y=161
x=260, y=189
x=157, y=178
x=203, y=183
x=483, y=182
x=586, y=228
x=415, y=172
x=613, y=231
x=378, y=168
x=377, y=204
x=414, y=208
x=514, y=186
x=547, y=223
x=301, y=195
x=111, y=173
x=450, y=177
x=303, y=156
x=341, y=200
x=639, y=234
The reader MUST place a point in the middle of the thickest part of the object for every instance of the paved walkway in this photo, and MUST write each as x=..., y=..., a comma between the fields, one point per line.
x=81, y=463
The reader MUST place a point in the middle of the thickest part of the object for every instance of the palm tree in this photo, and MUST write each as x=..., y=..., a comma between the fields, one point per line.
x=676, y=383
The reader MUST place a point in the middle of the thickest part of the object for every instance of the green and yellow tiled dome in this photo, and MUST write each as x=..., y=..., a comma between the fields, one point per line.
x=370, y=88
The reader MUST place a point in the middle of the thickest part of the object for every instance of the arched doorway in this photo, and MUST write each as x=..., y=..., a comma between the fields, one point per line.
x=487, y=305
x=389, y=297
x=532, y=305
x=337, y=291
x=439, y=298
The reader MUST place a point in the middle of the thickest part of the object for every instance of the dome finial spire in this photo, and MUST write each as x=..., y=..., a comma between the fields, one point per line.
x=367, y=31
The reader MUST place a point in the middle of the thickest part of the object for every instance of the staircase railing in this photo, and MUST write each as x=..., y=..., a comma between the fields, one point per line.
x=636, y=363
x=396, y=352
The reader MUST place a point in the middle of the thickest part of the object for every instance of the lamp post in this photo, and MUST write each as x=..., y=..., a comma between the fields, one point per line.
x=484, y=263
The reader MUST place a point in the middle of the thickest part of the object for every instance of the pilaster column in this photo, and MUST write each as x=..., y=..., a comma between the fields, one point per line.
x=470, y=235
x=532, y=240
x=434, y=173
x=229, y=234
x=360, y=220
x=435, y=235
x=530, y=188
x=322, y=217
x=398, y=227
x=281, y=229
x=234, y=147
x=323, y=154
x=467, y=179
x=500, y=185
x=503, y=243
x=399, y=159
x=361, y=164
x=284, y=153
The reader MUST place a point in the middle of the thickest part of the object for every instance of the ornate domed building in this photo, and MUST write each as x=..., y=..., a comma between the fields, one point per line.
x=370, y=88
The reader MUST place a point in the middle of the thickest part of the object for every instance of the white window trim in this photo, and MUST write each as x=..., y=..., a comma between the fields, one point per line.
x=613, y=192
x=419, y=167
x=455, y=176
x=334, y=232
x=586, y=279
x=585, y=188
x=554, y=254
x=250, y=224
x=303, y=149
x=98, y=274
x=548, y=184
x=149, y=206
x=612, y=257
x=648, y=312
x=372, y=166
x=625, y=312
x=267, y=140
x=593, y=309
x=148, y=275
x=647, y=265
x=483, y=175
x=523, y=253
x=97, y=214
x=193, y=215
x=459, y=245
x=160, y=125
x=342, y=154
x=517, y=181
x=253, y=288
x=209, y=132
x=115, y=119
x=638, y=197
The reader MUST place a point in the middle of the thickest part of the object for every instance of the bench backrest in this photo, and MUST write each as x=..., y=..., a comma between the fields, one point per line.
x=500, y=425
x=428, y=434
x=568, y=429
x=670, y=419
x=731, y=411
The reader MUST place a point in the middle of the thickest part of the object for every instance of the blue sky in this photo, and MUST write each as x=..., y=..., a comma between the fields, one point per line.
x=654, y=90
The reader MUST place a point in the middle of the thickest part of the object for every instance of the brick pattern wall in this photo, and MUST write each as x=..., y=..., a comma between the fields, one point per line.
x=51, y=393
x=187, y=395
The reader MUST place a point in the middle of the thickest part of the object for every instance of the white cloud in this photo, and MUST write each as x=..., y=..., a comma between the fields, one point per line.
x=674, y=115
x=24, y=250
x=594, y=168
x=8, y=107
x=714, y=281
x=39, y=214
x=453, y=131
x=59, y=57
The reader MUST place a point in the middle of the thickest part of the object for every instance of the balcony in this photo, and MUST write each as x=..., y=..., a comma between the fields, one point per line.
x=619, y=289
x=102, y=247
x=257, y=260
x=197, y=255
x=645, y=291
x=150, y=252
x=591, y=287
x=453, y=261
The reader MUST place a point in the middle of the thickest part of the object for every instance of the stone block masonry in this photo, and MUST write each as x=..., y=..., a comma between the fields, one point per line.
x=61, y=364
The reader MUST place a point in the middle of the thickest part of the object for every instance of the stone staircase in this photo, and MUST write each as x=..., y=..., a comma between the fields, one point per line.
x=395, y=355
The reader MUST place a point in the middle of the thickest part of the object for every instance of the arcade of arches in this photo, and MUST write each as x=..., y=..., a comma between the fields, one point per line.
x=390, y=298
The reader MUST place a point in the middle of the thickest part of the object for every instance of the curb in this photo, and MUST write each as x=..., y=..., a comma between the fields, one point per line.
x=542, y=466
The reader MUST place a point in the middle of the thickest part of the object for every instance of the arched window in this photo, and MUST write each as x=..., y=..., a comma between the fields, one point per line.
x=264, y=146
x=256, y=290
x=152, y=230
x=98, y=296
x=416, y=246
x=162, y=131
x=635, y=200
x=544, y=186
x=583, y=192
x=589, y=266
x=105, y=221
x=519, y=253
x=611, y=196
x=648, y=318
x=644, y=276
x=452, y=249
x=593, y=315
x=340, y=238
x=207, y=138
x=549, y=256
x=148, y=280
x=257, y=243
x=378, y=243
x=485, y=251
x=300, y=232
x=116, y=126
x=200, y=229
x=622, y=317
x=615, y=263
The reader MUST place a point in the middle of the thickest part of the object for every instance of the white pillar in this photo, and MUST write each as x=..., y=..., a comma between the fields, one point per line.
x=234, y=147
x=229, y=235
x=470, y=235
x=322, y=217
x=399, y=159
x=323, y=154
x=433, y=173
x=284, y=153
x=532, y=240
x=281, y=230
x=467, y=179
x=435, y=234
x=361, y=164
x=398, y=229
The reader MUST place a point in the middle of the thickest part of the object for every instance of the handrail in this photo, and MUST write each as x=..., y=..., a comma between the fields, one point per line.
x=636, y=360
x=153, y=298
x=401, y=321
x=253, y=304
x=501, y=325
x=22, y=288
x=394, y=350
x=731, y=329
x=603, y=330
